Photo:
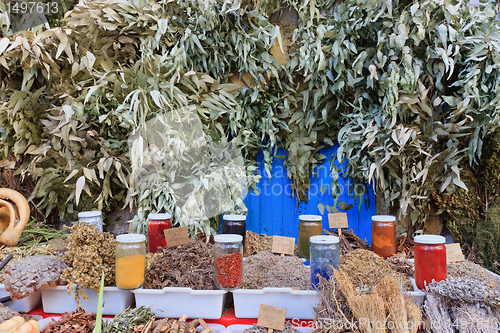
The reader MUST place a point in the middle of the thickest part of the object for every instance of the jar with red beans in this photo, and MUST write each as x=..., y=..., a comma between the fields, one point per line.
x=430, y=260
x=156, y=226
x=384, y=235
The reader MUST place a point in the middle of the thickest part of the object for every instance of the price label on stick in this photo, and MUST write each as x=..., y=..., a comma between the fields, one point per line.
x=454, y=253
x=176, y=236
x=271, y=317
x=337, y=220
x=283, y=245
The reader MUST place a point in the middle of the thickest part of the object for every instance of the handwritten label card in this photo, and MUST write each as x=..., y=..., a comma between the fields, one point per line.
x=271, y=317
x=176, y=236
x=337, y=220
x=454, y=253
x=283, y=245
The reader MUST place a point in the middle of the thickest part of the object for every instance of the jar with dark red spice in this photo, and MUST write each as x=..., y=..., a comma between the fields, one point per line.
x=156, y=226
x=234, y=224
x=228, y=261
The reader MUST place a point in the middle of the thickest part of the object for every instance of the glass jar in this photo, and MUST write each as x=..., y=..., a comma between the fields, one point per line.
x=156, y=226
x=92, y=217
x=130, y=260
x=234, y=224
x=309, y=225
x=228, y=261
x=325, y=256
x=430, y=260
x=384, y=235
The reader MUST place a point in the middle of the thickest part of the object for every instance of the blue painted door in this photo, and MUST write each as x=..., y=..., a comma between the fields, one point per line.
x=275, y=212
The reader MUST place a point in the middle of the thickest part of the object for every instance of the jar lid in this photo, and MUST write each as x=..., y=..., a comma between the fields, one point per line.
x=310, y=218
x=228, y=238
x=234, y=217
x=321, y=239
x=383, y=218
x=159, y=216
x=90, y=213
x=429, y=239
x=130, y=238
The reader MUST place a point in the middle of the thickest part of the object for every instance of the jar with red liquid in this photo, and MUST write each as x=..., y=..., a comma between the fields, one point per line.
x=430, y=260
x=384, y=235
x=156, y=236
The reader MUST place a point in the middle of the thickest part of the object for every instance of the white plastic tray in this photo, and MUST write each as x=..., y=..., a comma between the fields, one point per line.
x=22, y=305
x=173, y=302
x=417, y=295
x=241, y=328
x=57, y=300
x=299, y=303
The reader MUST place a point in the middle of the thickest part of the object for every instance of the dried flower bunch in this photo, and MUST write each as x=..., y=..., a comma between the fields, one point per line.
x=266, y=269
x=90, y=253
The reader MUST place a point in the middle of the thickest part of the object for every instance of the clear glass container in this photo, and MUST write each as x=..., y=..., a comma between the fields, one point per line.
x=309, y=225
x=130, y=260
x=430, y=260
x=325, y=256
x=384, y=235
x=92, y=217
x=156, y=226
x=228, y=261
x=234, y=224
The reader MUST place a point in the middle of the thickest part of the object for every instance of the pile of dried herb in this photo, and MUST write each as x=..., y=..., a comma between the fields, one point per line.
x=190, y=265
x=266, y=269
x=469, y=270
x=90, y=252
x=128, y=320
x=77, y=321
x=259, y=329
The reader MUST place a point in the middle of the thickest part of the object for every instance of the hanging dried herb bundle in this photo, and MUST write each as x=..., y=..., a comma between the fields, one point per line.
x=190, y=265
x=266, y=269
x=90, y=253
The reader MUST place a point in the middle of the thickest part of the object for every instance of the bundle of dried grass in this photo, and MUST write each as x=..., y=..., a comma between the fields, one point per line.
x=465, y=290
x=436, y=311
x=388, y=289
x=469, y=270
x=414, y=315
x=332, y=309
x=474, y=319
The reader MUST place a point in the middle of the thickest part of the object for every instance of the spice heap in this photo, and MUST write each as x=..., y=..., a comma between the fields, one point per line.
x=191, y=266
x=364, y=268
x=405, y=245
x=77, y=321
x=259, y=329
x=19, y=252
x=470, y=305
x=229, y=270
x=401, y=264
x=469, y=270
x=266, y=269
x=90, y=253
x=25, y=276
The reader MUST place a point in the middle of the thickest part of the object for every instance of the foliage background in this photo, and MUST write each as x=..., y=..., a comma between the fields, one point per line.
x=408, y=90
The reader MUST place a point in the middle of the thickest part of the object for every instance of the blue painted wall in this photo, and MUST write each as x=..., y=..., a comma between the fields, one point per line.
x=275, y=212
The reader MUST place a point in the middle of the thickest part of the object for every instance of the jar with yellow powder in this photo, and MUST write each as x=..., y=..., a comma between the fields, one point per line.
x=130, y=260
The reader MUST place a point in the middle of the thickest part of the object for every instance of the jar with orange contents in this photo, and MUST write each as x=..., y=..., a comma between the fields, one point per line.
x=130, y=259
x=430, y=260
x=384, y=235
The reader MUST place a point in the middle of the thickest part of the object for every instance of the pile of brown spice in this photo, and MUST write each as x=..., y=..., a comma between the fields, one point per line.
x=190, y=265
x=77, y=321
x=266, y=269
x=365, y=269
x=469, y=270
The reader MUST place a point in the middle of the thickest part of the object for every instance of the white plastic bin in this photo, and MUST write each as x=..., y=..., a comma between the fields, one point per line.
x=417, y=295
x=173, y=302
x=299, y=303
x=25, y=304
x=57, y=300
